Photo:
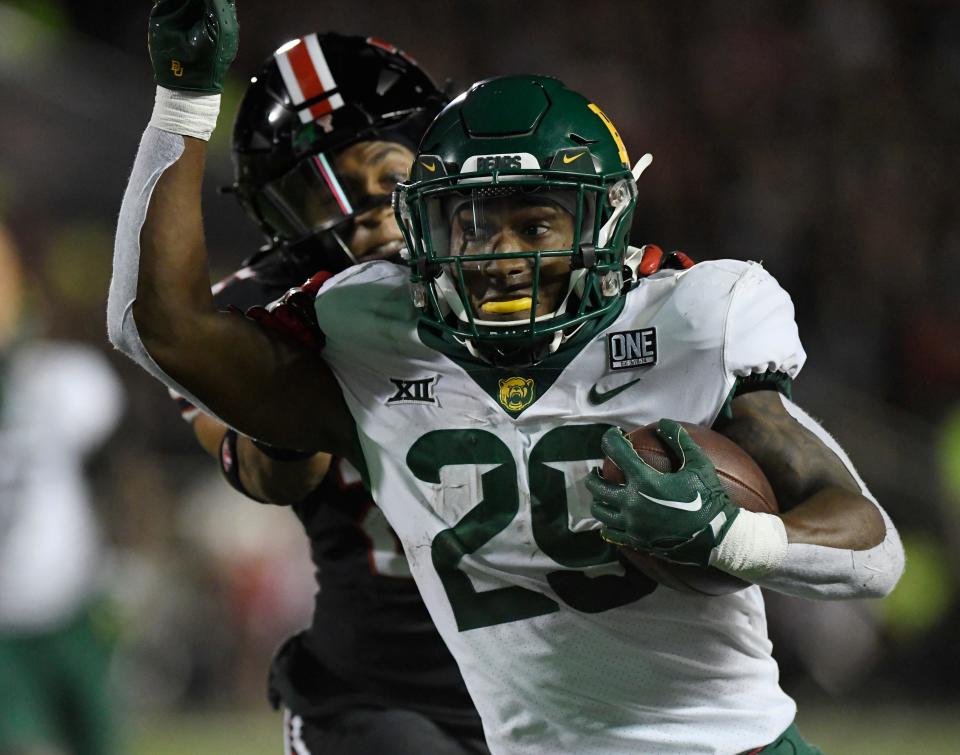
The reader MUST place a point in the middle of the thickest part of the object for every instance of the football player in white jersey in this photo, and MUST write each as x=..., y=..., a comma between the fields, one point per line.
x=59, y=402
x=477, y=388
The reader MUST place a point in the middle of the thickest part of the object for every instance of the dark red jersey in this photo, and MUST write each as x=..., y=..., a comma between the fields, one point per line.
x=371, y=642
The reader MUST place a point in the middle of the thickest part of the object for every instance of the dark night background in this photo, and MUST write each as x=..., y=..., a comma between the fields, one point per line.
x=820, y=137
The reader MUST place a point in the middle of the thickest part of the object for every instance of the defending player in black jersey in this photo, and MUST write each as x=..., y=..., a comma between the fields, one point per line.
x=325, y=131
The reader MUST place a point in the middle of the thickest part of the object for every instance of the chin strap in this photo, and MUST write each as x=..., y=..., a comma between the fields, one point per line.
x=342, y=246
x=642, y=164
x=325, y=251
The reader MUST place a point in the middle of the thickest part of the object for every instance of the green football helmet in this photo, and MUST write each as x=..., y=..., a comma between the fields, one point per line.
x=516, y=218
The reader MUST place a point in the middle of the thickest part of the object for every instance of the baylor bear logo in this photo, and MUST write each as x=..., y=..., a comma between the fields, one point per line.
x=516, y=393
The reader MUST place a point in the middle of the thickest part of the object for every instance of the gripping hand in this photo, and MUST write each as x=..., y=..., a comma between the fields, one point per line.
x=680, y=516
x=192, y=43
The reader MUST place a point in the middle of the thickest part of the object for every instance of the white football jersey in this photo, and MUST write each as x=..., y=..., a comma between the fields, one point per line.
x=480, y=471
x=60, y=403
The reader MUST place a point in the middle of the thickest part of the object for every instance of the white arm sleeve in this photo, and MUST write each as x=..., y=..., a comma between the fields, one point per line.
x=158, y=151
x=819, y=572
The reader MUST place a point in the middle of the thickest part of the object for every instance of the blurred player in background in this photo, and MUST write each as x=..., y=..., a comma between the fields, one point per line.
x=59, y=401
x=475, y=390
x=315, y=171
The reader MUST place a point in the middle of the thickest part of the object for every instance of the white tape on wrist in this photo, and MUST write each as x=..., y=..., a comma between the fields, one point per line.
x=185, y=113
x=755, y=544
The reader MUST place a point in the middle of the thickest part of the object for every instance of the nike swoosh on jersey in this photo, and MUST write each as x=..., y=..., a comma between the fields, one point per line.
x=695, y=505
x=596, y=398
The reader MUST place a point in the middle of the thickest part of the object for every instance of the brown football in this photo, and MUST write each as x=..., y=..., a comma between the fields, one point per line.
x=741, y=478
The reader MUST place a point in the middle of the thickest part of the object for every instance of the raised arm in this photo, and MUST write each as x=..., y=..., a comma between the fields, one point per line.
x=160, y=311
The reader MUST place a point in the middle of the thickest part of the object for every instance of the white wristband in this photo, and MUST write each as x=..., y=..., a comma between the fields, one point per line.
x=755, y=544
x=185, y=113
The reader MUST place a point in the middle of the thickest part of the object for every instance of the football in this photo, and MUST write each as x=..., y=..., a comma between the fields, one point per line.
x=743, y=481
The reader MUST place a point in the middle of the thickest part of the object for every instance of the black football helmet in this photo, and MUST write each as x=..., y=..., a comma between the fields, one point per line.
x=314, y=97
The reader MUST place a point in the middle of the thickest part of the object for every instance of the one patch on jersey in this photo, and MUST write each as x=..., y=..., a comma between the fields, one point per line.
x=517, y=393
x=632, y=348
x=418, y=391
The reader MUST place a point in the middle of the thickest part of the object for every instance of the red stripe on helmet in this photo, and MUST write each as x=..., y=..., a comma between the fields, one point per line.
x=307, y=77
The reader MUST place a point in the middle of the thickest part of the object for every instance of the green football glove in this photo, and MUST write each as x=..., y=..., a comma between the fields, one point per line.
x=679, y=516
x=192, y=43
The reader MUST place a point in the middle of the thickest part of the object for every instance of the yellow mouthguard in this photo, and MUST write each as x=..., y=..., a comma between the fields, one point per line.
x=506, y=307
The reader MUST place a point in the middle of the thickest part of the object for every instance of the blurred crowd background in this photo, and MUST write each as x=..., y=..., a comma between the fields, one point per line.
x=820, y=137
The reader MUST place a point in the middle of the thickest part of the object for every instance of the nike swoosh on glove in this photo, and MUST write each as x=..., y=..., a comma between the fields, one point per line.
x=679, y=516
